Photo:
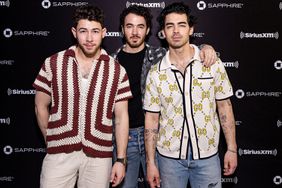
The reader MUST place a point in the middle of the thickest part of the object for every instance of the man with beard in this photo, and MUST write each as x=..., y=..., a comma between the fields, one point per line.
x=185, y=105
x=77, y=92
x=137, y=57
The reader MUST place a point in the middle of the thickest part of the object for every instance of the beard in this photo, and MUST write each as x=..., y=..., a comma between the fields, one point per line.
x=135, y=41
x=89, y=53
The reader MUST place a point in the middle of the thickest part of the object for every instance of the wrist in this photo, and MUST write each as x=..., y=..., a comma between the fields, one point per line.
x=122, y=160
x=232, y=150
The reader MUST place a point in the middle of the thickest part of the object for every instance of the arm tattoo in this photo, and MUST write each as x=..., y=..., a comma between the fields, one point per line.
x=151, y=136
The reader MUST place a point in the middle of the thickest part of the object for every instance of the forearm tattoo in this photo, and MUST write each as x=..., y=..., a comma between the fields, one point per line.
x=151, y=136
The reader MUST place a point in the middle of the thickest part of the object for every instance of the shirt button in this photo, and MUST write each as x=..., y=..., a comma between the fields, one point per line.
x=186, y=93
x=185, y=137
x=182, y=156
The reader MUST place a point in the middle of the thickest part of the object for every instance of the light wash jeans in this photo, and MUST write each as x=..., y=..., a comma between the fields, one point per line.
x=204, y=173
x=135, y=156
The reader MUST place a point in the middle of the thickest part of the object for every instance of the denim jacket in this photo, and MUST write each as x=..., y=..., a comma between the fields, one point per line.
x=152, y=56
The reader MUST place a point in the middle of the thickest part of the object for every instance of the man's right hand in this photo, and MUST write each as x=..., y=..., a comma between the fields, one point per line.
x=153, y=176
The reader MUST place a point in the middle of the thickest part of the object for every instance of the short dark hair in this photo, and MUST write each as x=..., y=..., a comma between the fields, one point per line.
x=88, y=12
x=177, y=7
x=138, y=10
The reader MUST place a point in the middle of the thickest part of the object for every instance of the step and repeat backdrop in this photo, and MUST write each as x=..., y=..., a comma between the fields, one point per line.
x=246, y=35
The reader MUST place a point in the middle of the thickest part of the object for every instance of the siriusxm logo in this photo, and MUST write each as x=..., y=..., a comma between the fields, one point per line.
x=47, y=4
x=229, y=180
x=259, y=35
x=202, y=5
x=6, y=178
x=7, y=62
x=8, y=150
x=257, y=152
x=231, y=64
x=241, y=93
x=9, y=33
x=5, y=121
x=279, y=123
x=277, y=180
x=148, y=5
x=278, y=64
x=114, y=34
x=198, y=35
x=5, y=3
x=20, y=92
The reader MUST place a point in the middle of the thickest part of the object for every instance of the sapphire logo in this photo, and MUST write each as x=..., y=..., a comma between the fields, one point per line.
x=148, y=5
x=7, y=178
x=8, y=150
x=201, y=5
x=277, y=180
x=278, y=65
x=280, y=5
x=5, y=3
x=7, y=62
x=46, y=4
x=198, y=35
x=239, y=93
x=8, y=33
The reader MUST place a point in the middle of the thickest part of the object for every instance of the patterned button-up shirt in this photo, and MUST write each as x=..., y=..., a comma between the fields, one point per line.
x=187, y=106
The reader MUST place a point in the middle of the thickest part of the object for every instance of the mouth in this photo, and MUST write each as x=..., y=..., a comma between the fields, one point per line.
x=89, y=46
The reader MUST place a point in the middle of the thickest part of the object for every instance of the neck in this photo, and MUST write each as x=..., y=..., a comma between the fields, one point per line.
x=127, y=48
x=181, y=55
x=86, y=58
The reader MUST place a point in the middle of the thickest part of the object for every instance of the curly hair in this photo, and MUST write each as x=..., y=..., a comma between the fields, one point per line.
x=89, y=12
x=177, y=7
x=138, y=10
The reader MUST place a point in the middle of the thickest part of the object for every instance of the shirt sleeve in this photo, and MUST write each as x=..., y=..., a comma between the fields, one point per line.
x=43, y=79
x=124, y=92
x=152, y=99
x=223, y=87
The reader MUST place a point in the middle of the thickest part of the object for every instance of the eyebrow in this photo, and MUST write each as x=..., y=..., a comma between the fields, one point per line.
x=178, y=23
x=133, y=24
x=83, y=28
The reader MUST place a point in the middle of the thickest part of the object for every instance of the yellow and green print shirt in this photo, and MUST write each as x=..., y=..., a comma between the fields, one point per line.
x=187, y=106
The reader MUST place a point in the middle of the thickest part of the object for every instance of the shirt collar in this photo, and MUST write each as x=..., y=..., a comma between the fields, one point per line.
x=166, y=64
x=103, y=56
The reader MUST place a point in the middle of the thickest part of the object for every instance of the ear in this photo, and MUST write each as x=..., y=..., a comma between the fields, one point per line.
x=148, y=30
x=104, y=31
x=73, y=30
x=191, y=30
x=122, y=29
x=163, y=33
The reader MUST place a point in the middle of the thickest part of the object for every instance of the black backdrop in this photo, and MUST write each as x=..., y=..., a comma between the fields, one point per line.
x=246, y=35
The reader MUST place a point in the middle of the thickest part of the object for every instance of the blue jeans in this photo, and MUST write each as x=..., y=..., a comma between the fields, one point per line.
x=203, y=173
x=135, y=156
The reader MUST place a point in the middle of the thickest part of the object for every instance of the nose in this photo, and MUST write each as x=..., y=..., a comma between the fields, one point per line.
x=175, y=29
x=134, y=30
x=89, y=36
